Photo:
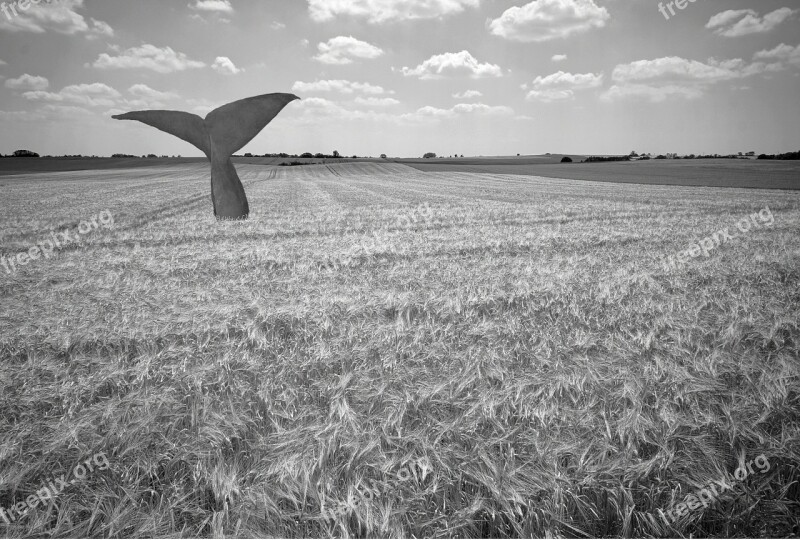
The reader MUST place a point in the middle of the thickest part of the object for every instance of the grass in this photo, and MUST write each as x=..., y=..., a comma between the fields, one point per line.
x=385, y=352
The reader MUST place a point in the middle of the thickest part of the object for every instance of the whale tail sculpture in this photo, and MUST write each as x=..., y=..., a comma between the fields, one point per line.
x=224, y=131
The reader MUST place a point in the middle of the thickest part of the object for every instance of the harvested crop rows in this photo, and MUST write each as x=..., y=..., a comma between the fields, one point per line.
x=381, y=351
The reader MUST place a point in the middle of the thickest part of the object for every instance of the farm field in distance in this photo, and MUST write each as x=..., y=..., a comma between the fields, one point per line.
x=386, y=351
x=740, y=173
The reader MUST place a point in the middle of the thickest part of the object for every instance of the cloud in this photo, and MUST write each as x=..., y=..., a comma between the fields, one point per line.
x=544, y=20
x=160, y=60
x=558, y=57
x=343, y=49
x=662, y=78
x=376, y=101
x=312, y=110
x=741, y=22
x=654, y=94
x=58, y=16
x=468, y=94
x=224, y=65
x=201, y=106
x=3, y=63
x=341, y=86
x=214, y=6
x=28, y=82
x=100, y=29
x=277, y=25
x=783, y=52
x=670, y=69
x=561, y=86
x=380, y=11
x=463, y=62
x=457, y=111
x=145, y=92
x=89, y=95
x=483, y=109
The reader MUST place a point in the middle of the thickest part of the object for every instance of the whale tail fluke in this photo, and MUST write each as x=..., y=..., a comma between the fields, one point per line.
x=234, y=125
x=189, y=127
x=224, y=131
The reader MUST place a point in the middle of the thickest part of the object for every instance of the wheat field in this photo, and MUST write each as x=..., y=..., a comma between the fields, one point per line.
x=385, y=352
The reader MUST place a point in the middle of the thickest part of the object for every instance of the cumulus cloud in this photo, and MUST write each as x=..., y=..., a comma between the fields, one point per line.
x=482, y=108
x=338, y=85
x=312, y=109
x=376, y=101
x=654, y=94
x=662, y=78
x=741, y=22
x=61, y=16
x=544, y=20
x=467, y=94
x=3, y=63
x=224, y=65
x=143, y=91
x=28, y=82
x=460, y=110
x=214, y=6
x=160, y=60
x=781, y=53
x=558, y=57
x=343, y=49
x=379, y=11
x=562, y=86
x=89, y=95
x=463, y=62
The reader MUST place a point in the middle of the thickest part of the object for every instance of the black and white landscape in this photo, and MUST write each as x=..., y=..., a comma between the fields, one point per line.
x=506, y=268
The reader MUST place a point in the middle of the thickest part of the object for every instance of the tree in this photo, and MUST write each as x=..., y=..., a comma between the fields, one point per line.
x=336, y=154
x=25, y=153
x=566, y=159
x=383, y=156
x=429, y=155
x=633, y=153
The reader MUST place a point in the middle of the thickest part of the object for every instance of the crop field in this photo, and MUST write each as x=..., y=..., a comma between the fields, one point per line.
x=381, y=351
x=740, y=173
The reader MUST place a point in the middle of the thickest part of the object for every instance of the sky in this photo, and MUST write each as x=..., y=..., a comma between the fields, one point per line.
x=406, y=77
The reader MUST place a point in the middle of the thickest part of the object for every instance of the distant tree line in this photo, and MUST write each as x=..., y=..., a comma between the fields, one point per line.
x=305, y=155
x=602, y=159
x=793, y=156
x=22, y=153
